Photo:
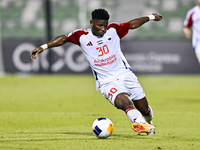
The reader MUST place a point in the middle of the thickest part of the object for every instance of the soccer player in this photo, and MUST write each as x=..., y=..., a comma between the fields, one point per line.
x=114, y=76
x=192, y=21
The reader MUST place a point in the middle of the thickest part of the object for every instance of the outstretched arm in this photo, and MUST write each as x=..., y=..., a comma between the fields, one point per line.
x=135, y=23
x=60, y=40
x=187, y=32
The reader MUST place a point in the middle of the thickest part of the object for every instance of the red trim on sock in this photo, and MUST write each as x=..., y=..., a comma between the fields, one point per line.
x=129, y=108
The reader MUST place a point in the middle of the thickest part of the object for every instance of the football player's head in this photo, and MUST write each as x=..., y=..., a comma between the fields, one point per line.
x=100, y=14
x=99, y=22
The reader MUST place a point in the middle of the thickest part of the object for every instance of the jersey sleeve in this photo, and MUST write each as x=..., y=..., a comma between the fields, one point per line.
x=121, y=28
x=74, y=36
x=188, y=20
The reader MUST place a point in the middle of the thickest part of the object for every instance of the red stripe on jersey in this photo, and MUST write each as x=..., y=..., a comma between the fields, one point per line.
x=190, y=22
x=121, y=28
x=75, y=36
x=129, y=108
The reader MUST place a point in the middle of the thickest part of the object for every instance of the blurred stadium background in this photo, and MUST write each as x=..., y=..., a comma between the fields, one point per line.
x=24, y=27
x=26, y=18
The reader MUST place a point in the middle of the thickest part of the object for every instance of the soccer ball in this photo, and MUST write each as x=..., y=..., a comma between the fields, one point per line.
x=102, y=127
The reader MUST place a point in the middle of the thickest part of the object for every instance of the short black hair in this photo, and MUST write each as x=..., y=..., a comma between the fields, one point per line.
x=100, y=14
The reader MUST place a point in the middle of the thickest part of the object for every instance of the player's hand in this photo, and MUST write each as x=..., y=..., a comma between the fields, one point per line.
x=36, y=52
x=187, y=32
x=158, y=17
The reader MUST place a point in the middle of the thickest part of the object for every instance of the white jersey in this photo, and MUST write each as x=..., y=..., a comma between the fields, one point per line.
x=103, y=53
x=193, y=20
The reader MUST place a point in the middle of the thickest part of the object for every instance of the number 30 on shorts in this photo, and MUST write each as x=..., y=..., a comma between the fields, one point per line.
x=112, y=91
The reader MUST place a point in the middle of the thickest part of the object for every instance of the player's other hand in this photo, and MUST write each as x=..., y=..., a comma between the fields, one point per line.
x=158, y=17
x=36, y=52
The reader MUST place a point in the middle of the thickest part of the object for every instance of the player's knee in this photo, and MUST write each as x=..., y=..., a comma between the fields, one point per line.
x=122, y=101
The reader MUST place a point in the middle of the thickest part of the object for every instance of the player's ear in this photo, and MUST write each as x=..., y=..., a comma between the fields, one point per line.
x=91, y=22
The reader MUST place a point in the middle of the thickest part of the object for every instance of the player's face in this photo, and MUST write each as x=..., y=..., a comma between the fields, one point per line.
x=99, y=27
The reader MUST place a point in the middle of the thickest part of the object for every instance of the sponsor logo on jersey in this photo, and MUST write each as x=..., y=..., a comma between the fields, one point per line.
x=90, y=44
x=107, y=61
x=99, y=42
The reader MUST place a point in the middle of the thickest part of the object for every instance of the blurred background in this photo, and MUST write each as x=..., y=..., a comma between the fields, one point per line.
x=154, y=48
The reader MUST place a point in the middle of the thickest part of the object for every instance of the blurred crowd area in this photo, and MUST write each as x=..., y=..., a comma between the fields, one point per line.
x=26, y=18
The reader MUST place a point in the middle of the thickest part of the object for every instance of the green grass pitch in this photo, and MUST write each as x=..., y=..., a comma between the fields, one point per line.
x=56, y=113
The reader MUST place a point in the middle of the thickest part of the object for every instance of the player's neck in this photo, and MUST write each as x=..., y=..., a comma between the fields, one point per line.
x=95, y=34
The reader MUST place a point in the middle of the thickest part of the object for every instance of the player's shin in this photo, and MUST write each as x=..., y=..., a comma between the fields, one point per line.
x=150, y=116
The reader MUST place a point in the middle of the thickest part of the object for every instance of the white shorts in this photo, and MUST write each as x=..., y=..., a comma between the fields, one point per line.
x=196, y=46
x=131, y=87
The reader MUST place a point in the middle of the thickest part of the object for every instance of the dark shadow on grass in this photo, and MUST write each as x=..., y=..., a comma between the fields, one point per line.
x=89, y=134
x=131, y=136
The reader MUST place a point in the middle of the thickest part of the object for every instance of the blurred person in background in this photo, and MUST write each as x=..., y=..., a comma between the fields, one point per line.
x=192, y=22
x=114, y=76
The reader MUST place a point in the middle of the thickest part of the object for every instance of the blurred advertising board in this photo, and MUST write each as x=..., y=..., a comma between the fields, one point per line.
x=161, y=57
x=145, y=57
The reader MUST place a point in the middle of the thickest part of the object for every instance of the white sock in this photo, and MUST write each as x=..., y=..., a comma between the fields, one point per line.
x=150, y=117
x=134, y=115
